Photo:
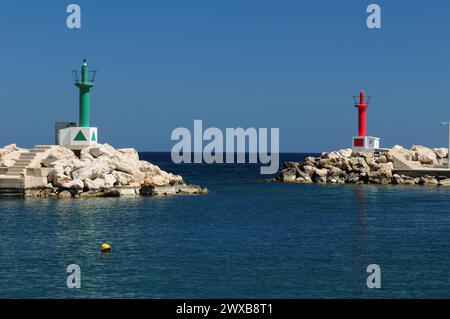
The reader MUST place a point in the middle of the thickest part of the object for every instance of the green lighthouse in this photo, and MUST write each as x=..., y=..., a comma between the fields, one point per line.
x=85, y=86
x=83, y=135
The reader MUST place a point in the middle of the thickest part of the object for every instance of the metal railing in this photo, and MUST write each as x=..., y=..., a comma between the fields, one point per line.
x=356, y=99
x=77, y=76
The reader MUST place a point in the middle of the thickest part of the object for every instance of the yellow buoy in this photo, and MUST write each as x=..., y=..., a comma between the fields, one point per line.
x=106, y=248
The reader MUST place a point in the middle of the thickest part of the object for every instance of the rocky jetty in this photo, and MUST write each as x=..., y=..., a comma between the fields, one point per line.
x=97, y=171
x=388, y=166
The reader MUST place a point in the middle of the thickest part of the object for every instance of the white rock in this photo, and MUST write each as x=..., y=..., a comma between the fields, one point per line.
x=85, y=162
x=12, y=148
x=99, y=170
x=59, y=180
x=445, y=182
x=58, y=154
x=122, y=178
x=108, y=163
x=10, y=154
x=130, y=153
x=102, y=149
x=382, y=159
x=14, y=156
x=78, y=164
x=424, y=154
x=58, y=170
x=138, y=177
x=86, y=156
x=99, y=182
x=175, y=178
x=331, y=156
x=321, y=172
x=308, y=169
x=7, y=163
x=77, y=184
x=157, y=180
x=373, y=163
x=8, y=149
x=147, y=167
x=406, y=154
x=64, y=195
x=346, y=152
x=123, y=167
x=441, y=152
x=47, y=162
x=96, y=184
x=387, y=166
x=82, y=173
x=67, y=170
x=109, y=180
x=89, y=184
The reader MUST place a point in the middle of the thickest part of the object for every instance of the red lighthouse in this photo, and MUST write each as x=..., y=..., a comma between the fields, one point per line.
x=362, y=107
x=362, y=142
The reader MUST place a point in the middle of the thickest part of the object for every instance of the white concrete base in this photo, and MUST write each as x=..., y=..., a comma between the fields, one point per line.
x=365, y=143
x=77, y=138
x=33, y=182
x=11, y=182
x=39, y=172
x=129, y=191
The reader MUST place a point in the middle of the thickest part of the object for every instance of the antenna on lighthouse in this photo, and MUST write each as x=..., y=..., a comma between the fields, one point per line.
x=357, y=98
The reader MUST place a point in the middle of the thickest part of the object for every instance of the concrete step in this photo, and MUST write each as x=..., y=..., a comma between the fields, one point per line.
x=21, y=166
x=6, y=177
x=16, y=171
x=24, y=161
x=13, y=168
x=27, y=155
x=11, y=192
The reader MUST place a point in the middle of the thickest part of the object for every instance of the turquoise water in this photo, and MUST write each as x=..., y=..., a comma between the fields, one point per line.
x=247, y=238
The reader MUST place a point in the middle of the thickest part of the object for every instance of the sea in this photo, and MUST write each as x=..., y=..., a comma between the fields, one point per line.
x=248, y=238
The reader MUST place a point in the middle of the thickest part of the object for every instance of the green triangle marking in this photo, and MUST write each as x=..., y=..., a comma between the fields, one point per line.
x=94, y=138
x=80, y=137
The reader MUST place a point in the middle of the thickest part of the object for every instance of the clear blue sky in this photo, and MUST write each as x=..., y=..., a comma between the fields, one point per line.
x=288, y=64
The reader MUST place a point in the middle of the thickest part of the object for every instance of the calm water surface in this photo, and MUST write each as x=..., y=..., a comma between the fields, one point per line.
x=247, y=238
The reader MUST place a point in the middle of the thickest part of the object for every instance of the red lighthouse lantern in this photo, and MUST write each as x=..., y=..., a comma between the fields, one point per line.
x=362, y=142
